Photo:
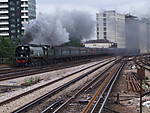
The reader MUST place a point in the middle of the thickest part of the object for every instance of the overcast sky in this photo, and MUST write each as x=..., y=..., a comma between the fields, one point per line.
x=136, y=7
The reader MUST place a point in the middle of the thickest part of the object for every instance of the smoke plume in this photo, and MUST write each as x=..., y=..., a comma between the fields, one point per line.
x=78, y=24
x=58, y=28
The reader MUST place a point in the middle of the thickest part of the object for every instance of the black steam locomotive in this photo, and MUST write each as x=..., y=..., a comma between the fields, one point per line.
x=44, y=54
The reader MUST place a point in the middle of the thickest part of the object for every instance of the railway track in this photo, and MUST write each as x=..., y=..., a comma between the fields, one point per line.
x=83, y=100
x=16, y=69
x=132, y=83
x=142, y=64
x=5, y=68
x=55, y=90
x=52, y=93
x=102, y=94
x=22, y=72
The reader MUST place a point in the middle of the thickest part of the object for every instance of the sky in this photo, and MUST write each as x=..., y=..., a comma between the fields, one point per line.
x=135, y=7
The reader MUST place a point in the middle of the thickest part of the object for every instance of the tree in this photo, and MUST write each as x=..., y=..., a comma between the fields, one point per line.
x=7, y=48
x=74, y=42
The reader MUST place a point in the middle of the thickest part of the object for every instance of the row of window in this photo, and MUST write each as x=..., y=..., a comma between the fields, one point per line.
x=104, y=28
x=3, y=26
x=3, y=14
x=12, y=30
x=15, y=25
x=24, y=14
x=104, y=24
x=3, y=3
x=15, y=31
x=3, y=20
x=3, y=9
x=14, y=9
x=14, y=3
x=24, y=2
x=24, y=8
x=3, y=32
x=104, y=33
x=15, y=36
x=15, y=20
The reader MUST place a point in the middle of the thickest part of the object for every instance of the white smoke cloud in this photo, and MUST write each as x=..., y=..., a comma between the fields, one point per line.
x=57, y=28
x=45, y=30
x=78, y=24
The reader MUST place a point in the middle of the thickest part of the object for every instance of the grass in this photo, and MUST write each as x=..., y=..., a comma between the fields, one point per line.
x=30, y=81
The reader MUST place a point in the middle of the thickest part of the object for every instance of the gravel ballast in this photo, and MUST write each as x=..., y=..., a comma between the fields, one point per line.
x=47, y=77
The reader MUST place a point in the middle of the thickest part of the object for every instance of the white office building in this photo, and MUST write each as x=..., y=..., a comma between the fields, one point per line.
x=111, y=26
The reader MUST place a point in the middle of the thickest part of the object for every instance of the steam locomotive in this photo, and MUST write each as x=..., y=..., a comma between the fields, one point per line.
x=44, y=54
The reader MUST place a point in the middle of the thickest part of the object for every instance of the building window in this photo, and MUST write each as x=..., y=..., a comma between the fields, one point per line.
x=104, y=19
x=104, y=14
x=104, y=24
x=18, y=25
x=97, y=33
x=18, y=2
x=12, y=9
x=105, y=29
x=12, y=14
x=12, y=25
x=11, y=3
x=97, y=28
x=18, y=20
x=105, y=33
x=12, y=20
x=13, y=31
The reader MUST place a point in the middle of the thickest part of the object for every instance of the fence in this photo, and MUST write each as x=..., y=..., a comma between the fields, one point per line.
x=6, y=60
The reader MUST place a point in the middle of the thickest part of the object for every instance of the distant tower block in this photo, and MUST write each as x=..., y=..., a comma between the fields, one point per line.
x=111, y=26
x=13, y=14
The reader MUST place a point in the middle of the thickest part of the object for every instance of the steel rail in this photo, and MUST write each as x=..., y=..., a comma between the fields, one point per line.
x=32, y=72
x=55, y=91
x=142, y=66
x=100, y=90
x=52, y=106
x=30, y=91
x=113, y=80
x=99, y=93
x=86, y=87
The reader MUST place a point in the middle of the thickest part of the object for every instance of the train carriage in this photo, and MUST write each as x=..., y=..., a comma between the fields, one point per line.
x=37, y=54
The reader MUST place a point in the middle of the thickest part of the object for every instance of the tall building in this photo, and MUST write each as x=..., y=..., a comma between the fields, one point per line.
x=111, y=26
x=138, y=33
x=13, y=14
x=132, y=32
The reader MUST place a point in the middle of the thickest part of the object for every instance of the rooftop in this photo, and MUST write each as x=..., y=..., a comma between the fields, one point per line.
x=98, y=41
x=130, y=16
